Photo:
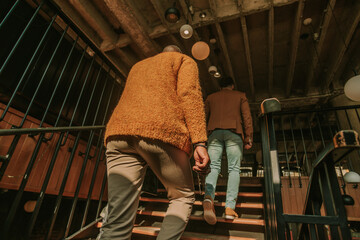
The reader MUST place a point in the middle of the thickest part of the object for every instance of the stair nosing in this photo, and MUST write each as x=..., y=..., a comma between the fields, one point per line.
x=248, y=221
x=155, y=231
x=199, y=203
x=240, y=194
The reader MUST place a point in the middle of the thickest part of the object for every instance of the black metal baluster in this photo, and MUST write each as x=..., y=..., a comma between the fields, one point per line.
x=312, y=137
x=15, y=205
x=62, y=187
x=21, y=36
x=43, y=77
x=101, y=195
x=58, y=81
x=9, y=13
x=27, y=68
x=305, y=152
x=286, y=153
x=44, y=186
x=320, y=130
x=296, y=154
x=6, y=159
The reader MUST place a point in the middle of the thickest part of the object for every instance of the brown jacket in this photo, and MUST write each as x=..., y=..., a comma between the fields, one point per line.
x=229, y=109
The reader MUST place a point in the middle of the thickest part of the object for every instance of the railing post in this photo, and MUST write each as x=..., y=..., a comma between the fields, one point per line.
x=276, y=227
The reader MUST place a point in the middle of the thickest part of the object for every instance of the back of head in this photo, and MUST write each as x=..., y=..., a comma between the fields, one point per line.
x=226, y=82
x=172, y=48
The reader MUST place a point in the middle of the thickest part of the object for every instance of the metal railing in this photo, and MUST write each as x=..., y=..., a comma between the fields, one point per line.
x=318, y=162
x=64, y=88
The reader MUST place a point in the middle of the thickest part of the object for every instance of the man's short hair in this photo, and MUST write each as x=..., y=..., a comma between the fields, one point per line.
x=226, y=82
x=172, y=48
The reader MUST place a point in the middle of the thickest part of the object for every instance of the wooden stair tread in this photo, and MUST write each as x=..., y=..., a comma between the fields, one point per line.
x=199, y=203
x=240, y=194
x=248, y=221
x=153, y=231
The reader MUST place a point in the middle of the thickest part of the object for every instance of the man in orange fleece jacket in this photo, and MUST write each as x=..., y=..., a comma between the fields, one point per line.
x=158, y=121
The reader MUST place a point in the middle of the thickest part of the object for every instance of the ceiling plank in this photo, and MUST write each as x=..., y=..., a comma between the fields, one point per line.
x=319, y=45
x=128, y=20
x=294, y=46
x=248, y=55
x=271, y=51
x=222, y=41
x=160, y=13
x=224, y=13
x=225, y=51
x=343, y=46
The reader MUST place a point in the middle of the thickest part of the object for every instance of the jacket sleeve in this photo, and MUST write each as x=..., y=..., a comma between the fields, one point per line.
x=191, y=101
x=207, y=109
x=247, y=119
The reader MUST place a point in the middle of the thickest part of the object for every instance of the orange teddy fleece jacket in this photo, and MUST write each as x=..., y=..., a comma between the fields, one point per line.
x=162, y=100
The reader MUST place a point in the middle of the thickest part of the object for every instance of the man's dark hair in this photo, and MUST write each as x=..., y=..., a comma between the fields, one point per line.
x=226, y=82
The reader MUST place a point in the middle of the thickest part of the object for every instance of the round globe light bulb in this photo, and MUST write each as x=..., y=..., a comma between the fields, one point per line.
x=352, y=88
x=186, y=31
x=307, y=21
x=212, y=70
x=352, y=177
x=217, y=75
x=200, y=50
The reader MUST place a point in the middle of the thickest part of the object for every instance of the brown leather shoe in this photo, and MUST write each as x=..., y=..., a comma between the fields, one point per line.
x=230, y=213
x=209, y=211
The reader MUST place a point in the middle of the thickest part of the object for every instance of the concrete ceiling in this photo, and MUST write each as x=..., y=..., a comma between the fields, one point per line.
x=264, y=44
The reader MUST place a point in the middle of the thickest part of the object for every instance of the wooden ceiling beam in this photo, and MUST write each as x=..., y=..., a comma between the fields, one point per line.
x=314, y=64
x=72, y=14
x=96, y=21
x=344, y=44
x=248, y=54
x=271, y=51
x=224, y=13
x=294, y=46
x=94, y=18
x=128, y=20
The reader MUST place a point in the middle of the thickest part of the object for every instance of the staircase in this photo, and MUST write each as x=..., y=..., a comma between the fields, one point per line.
x=249, y=225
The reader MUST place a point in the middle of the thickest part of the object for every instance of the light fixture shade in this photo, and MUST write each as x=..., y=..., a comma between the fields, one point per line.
x=172, y=14
x=352, y=88
x=307, y=21
x=352, y=177
x=29, y=206
x=200, y=50
x=217, y=75
x=212, y=70
x=186, y=31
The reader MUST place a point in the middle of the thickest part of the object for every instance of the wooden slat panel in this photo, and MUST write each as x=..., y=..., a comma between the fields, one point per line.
x=294, y=197
x=24, y=149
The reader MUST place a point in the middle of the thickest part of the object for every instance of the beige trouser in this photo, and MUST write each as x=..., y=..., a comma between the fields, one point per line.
x=127, y=160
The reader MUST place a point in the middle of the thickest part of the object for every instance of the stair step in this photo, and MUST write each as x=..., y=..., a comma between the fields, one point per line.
x=246, y=221
x=153, y=231
x=199, y=203
x=241, y=194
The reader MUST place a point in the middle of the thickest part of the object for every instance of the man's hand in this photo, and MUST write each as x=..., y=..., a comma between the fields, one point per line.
x=202, y=160
x=248, y=146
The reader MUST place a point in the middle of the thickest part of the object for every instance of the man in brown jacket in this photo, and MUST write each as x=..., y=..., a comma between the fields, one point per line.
x=230, y=126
